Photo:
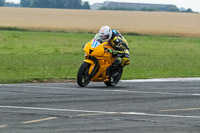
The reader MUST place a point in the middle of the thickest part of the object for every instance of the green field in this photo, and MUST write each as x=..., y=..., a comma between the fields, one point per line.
x=32, y=55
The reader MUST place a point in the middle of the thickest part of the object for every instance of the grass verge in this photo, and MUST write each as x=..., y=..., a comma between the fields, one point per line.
x=32, y=55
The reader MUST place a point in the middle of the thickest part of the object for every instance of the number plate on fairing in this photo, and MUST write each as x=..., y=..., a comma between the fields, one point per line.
x=95, y=43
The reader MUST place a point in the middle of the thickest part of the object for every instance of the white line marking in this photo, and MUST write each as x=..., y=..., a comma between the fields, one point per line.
x=134, y=80
x=163, y=80
x=122, y=91
x=52, y=109
x=187, y=109
x=2, y=126
x=101, y=112
x=162, y=93
x=80, y=115
x=162, y=115
x=39, y=120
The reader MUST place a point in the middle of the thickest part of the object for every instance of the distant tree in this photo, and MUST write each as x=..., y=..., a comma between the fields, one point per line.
x=189, y=10
x=70, y=4
x=2, y=2
x=41, y=3
x=148, y=9
x=74, y=4
x=86, y=5
x=65, y=4
x=58, y=3
x=173, y=9
x=25, y=3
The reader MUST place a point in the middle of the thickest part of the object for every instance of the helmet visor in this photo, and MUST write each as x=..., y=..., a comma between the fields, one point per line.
x=104, y=37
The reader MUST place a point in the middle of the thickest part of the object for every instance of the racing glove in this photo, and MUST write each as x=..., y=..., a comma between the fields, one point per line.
x=111, y=51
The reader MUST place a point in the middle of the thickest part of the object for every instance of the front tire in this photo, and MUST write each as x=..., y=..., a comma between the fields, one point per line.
x=113, y=80
x=83, y=78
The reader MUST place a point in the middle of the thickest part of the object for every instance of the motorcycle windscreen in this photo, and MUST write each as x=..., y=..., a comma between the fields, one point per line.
x=94, y=48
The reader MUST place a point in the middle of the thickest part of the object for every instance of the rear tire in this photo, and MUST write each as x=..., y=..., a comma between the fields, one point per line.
x=83, y=78
x=113, y=80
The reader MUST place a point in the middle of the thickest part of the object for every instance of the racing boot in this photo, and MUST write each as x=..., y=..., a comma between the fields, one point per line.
x=116, y=66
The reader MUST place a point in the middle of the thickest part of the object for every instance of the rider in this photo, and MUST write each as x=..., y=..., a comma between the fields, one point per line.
x=119, y=44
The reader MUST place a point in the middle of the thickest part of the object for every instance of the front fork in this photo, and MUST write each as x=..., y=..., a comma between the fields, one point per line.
x=94, y=67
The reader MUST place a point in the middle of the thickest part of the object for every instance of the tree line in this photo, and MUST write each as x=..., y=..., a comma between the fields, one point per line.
x=2, y=2
x=64, y=4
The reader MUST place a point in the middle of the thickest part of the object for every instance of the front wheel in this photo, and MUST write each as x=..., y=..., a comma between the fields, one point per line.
x=113, y=80
x=83, y=78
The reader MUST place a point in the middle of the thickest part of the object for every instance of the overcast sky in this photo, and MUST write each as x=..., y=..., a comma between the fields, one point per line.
x=193, y=4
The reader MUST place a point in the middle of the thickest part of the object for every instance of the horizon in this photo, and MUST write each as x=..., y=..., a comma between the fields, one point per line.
x=193, y=4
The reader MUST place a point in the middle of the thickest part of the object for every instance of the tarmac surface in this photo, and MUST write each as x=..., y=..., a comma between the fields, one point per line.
x=130, y=107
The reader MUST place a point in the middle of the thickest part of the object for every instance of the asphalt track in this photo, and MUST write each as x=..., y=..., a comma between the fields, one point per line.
x=131, y=107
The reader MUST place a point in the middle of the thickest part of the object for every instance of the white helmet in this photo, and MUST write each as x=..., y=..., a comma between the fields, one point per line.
x=105, y=33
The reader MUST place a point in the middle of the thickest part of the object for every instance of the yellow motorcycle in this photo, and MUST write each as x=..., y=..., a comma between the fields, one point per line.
x=97, y=65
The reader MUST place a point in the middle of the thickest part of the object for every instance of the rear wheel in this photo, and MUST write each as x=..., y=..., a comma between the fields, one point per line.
x=83, y=78
x=113, y=80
